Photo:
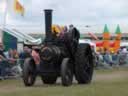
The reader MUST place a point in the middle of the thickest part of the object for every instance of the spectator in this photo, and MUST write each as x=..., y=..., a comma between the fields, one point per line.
x=11, y=62
x=25, y=54
x=9, y=53
x=9, y=56
x=2, y=62
x=108, y=58
x=2, y=51
x=99, y=58
x=123, y=57
x=115, y=58
x=15, y=54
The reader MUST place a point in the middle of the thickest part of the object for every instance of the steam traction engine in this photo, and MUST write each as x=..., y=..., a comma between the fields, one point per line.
x=63, y=58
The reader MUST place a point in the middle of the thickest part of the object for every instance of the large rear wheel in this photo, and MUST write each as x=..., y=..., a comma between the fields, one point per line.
x=84, y=64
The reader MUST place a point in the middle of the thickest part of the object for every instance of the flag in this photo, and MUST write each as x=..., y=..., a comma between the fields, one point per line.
x=18, y=7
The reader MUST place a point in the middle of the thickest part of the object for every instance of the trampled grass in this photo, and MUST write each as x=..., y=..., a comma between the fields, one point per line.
x=105, y=83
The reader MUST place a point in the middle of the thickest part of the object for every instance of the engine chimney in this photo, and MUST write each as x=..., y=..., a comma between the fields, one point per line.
x=48, y=24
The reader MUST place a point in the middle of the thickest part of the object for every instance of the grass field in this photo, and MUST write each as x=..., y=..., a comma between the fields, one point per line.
x=105, y=83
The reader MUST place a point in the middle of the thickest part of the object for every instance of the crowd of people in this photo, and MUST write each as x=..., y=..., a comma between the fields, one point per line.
x=107, y=60
x=11, y=62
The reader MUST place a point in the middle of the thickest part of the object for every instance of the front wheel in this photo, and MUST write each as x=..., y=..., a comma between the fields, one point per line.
x=66, y=72
x=29, y=72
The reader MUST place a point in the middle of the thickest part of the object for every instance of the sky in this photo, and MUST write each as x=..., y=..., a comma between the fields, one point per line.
x=94, y=13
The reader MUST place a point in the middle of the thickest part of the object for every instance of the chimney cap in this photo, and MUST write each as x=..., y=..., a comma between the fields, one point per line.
x=48, y=10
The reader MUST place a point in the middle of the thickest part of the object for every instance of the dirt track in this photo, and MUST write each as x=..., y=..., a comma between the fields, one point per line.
x=114, y=75
x=14, y=85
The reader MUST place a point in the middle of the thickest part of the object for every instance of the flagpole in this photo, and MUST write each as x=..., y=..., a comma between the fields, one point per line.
x=5, y=18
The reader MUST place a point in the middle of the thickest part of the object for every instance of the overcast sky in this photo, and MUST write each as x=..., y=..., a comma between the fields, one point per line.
x=95, y=13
